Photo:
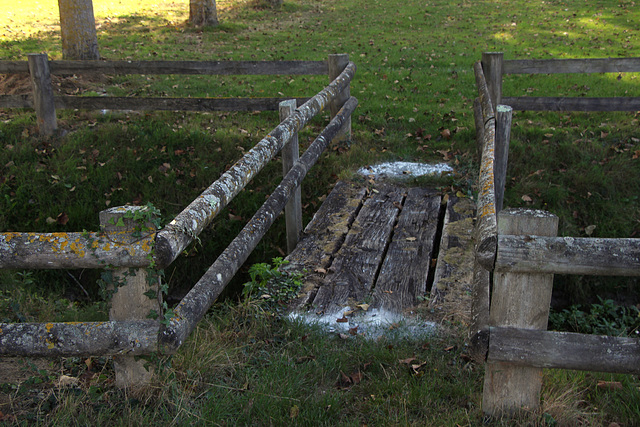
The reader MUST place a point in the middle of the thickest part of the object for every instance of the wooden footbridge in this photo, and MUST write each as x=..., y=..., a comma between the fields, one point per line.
x=377, y=246
x=386, y=247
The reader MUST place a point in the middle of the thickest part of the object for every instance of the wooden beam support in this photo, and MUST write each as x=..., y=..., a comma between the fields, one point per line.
x=521, y=301
x=290, y=155
x=568, y=255
x=564, y=350
x=42, y=93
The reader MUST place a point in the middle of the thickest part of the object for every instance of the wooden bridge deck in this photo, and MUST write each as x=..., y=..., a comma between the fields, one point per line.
x=389, y=248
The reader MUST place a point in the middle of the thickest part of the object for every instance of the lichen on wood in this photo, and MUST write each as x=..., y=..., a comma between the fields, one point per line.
x=180, y=232
x=195, y=304
x=79, y=338
x=72, y=250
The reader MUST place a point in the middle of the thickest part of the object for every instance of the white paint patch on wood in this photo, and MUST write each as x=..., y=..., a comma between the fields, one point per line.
x=405, y=170
x=370, y=324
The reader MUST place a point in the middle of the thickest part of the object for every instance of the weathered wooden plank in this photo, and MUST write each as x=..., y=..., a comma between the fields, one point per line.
x=356, y=264
x=170, y=104
x=16, y=101
x=404, y=272
x=584, y=65
x=188, y=67
x=492, y=66
x=330, y=224
x=453, y=278
x=72, y=250
x=323, y=237
x=564, y=350
x=504, y=114
x=14, y=67
x=532, y=103
x=42, y=93
x=568, y=255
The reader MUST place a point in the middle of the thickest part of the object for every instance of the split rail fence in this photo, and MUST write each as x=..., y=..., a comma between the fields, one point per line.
x=519, y=251
x=130, y=247
x=45, y=102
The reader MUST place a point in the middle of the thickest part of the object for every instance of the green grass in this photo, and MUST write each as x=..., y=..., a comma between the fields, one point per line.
x=242, y=368
x=414, y=81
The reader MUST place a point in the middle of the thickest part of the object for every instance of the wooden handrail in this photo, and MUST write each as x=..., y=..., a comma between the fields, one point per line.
x=188, y=224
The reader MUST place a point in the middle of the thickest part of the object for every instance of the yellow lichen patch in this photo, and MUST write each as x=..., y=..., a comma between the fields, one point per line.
x=77, y=248
x=50, y=344
x=147, y=244
x=9, y=236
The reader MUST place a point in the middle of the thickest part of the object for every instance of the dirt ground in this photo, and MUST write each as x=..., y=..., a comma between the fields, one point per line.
x=20, y=84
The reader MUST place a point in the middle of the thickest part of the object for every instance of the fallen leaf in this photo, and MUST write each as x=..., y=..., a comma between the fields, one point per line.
x=62, y=218
x=418, y=367
x=526, y=198
x=407, y=361
x=610, y=385
x=446, y=134
x=353, y=331
x=411, y=239
x=364, y=307
x=320, y=270
x=589, y=229
x=342, y=320
x=293, y=413
x=66, y=381
x=357, y=377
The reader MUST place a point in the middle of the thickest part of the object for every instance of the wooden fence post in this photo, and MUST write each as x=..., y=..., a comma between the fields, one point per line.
x=337, y=64
x=493, y=67
x=129, y=301
x=504, y=114
x=42, y=93
x=521, y=301
x=290, y=154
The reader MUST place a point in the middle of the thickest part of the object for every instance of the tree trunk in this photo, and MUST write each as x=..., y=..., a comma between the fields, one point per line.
x=203, y=13
x=78, y=29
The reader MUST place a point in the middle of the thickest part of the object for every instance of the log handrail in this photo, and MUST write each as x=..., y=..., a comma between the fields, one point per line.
x=188, y=224
x=128, y=337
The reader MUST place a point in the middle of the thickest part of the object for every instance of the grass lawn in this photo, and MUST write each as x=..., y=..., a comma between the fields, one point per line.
x=416, y=88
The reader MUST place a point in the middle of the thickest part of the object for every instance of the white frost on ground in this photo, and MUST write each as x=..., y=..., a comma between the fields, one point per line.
x=371, y=324
x=404, y=170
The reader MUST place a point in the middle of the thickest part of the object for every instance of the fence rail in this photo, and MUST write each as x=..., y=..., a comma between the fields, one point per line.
x=121, y=244
x=508, y=330
x=496, y=67
x=45, y=102
x=175, y=67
